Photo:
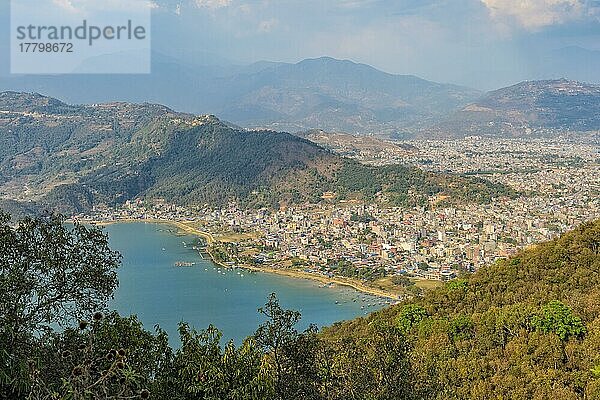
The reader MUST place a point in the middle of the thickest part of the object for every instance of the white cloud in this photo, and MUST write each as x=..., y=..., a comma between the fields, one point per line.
x=536, y=14
x=212, y=4
x=92, y=6
x=267, y=25
x=66, y=5
x=354, y=3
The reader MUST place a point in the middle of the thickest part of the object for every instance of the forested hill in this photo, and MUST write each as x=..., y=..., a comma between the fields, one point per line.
x=72, y=157
x=524, y=328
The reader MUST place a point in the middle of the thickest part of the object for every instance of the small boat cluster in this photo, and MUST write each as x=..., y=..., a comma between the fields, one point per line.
x=223, y=272
x=184, y=264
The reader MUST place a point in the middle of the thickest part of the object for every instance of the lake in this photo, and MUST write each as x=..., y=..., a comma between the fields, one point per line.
x=158, y=292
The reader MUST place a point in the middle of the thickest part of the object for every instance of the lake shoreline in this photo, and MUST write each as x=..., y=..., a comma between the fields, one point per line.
x=290, y=273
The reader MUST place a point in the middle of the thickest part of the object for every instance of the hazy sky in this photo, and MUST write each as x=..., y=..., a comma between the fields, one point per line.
x=481, y=43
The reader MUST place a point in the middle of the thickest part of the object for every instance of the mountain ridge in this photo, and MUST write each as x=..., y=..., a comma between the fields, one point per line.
x=321, y=93
x=109, y=153
x=528, y=108
x=332, y=95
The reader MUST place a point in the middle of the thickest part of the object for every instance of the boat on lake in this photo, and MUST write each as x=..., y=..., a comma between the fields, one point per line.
x=184, y=264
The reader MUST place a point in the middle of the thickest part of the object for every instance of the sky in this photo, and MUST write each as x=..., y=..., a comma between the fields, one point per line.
x=479, y=43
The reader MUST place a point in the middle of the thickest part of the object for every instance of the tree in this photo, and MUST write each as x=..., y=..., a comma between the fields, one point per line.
x=202, y=369
x=557, y=318
x=50, y=276
x=291, y=354
x=401, y=280
x=370, y=364
x=110, y=357
x=410, y=315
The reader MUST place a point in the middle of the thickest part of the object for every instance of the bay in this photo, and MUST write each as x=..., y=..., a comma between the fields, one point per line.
x=159, y=293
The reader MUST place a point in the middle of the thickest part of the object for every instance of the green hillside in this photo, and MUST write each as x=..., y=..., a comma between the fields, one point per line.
x=524, y=328
x=73, y=157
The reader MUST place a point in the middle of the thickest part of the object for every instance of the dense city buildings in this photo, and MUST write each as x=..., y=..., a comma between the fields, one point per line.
x=559, y=182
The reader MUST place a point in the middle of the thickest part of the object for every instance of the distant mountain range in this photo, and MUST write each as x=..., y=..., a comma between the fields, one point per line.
x=332, y=95
x=540, y=108
x=73, y=157
x=320, y=93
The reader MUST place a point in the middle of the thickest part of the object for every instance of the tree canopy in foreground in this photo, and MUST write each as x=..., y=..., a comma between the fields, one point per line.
x=524, y=328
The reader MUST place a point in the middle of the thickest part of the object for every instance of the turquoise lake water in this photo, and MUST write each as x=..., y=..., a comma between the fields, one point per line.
x=160, y=293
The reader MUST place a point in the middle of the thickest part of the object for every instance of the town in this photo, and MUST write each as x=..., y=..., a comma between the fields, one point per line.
x=559, y=182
